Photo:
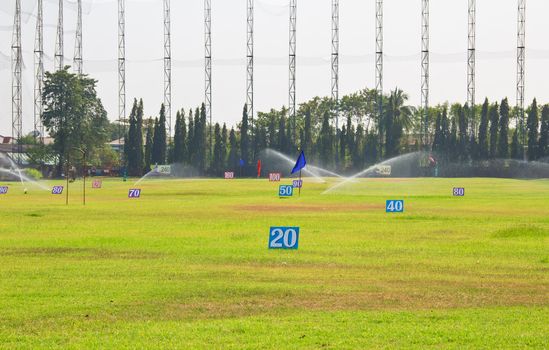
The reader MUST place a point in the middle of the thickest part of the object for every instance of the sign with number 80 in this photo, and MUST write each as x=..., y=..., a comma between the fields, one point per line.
x=284, y=238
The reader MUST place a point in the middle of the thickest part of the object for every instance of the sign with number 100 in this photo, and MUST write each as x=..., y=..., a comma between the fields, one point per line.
x=3, y=189
x=134, y=193
x=394, y=206
x=285, y=191
x=57, y=190
x=284, y=238
x=274, y=177
x=459, y=192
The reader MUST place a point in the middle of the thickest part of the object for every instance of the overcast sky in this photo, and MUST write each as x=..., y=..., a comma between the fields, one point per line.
x=496, y=50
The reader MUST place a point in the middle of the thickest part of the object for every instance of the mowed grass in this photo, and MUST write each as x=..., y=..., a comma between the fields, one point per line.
x=187, y=266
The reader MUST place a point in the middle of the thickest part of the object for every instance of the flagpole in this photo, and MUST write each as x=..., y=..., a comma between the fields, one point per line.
x=300, y=183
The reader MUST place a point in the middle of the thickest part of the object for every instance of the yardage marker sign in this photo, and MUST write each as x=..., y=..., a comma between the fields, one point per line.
x=394, y=206
x=96, y=184
x=57, y=190
x=274, y=177
x=4, y=189
x=229, y=175
x=285, y=191
x=284, y=237
x=134, y=193
x=459, y=192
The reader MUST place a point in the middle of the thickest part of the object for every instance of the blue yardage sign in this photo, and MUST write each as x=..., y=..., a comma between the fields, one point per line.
x=459, y=192
x=134, y=193
x=285, y=191
x=57, y=190
x=284, y=238
x=394, y=206
x=4, y=189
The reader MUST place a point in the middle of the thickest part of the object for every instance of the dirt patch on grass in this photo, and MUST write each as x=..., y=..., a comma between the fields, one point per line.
x=78, y=253
x=325, y=207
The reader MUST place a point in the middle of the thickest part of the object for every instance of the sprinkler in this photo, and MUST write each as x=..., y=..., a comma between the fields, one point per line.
x=25, y=191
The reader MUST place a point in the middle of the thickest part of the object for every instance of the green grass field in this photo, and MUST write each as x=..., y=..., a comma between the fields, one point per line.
x=187, y=266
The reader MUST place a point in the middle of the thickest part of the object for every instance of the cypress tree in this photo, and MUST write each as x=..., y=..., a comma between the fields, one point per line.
x=191, y=149
x=244, y=137
x=325, y=141
x=177, y=141
x=282, y=139
x=454, y=146
x=515, y=152
x=483, y=131
x=307, y=142
x=203, y=142
x=233, y=151
x=533, y=125
x=503, y=140
x=130, y=142
x=139, y=156
x=162, y=144
x=494, y=121
x=272, y=132
x=155, y=153
x=437, y=142
x=224, y=140
x=217, y=164
x=543, y=146
x=148, y=150
x=463, y=138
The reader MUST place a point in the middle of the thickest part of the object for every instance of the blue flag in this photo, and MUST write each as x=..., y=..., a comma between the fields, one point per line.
x=300, y=164
x=242, y=162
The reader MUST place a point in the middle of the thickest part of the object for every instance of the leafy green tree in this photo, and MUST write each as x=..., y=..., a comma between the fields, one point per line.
x=483, y=131
x=73, y=114
x=503, y=138
x=533, y=125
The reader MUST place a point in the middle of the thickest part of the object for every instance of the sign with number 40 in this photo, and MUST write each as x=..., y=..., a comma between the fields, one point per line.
x=394, y=206
x=284, y=238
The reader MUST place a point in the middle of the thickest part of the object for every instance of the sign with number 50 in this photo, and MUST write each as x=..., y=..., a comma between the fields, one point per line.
x=284, y=238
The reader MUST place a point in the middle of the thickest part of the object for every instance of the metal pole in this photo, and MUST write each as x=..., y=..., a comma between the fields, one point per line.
x=471, y=65
x=208, y=64
x=168, y=66
x=121, y=72
x=335, y=69
x=425, y=70
x=379, y=70
x=521, y=63
x=39, y=73
x=59, y=46
x=16, y=85
x=250, y=70
x=292, y=65
x=78, y=64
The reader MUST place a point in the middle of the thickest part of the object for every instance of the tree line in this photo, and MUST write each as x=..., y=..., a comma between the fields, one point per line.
x=76, y=119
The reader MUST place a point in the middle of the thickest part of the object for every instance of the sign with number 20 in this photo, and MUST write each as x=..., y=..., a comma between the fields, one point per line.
x=284, y=238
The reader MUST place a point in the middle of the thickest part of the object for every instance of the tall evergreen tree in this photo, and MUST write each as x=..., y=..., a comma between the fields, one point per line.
x=148, y=149
x=543, y=146
x=494, y=124
x=159, y=141
x=191, y=146
x=515, y=148
x=203, y=146
x=307, y=142
x=130, y=142
x=177, y=140
x=244, y=137
x=272, y=132
x=225, y=144
x=217, y=164
x=139, y=156
x=463, y=137
x=533, y=125
x=483, y=131
x=503, y=137
x=437, y=141
x=282, y=138
x=325, y=141
x=233, y=151
x=455, y=145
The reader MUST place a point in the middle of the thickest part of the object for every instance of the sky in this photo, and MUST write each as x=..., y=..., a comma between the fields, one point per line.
x=496, y=51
